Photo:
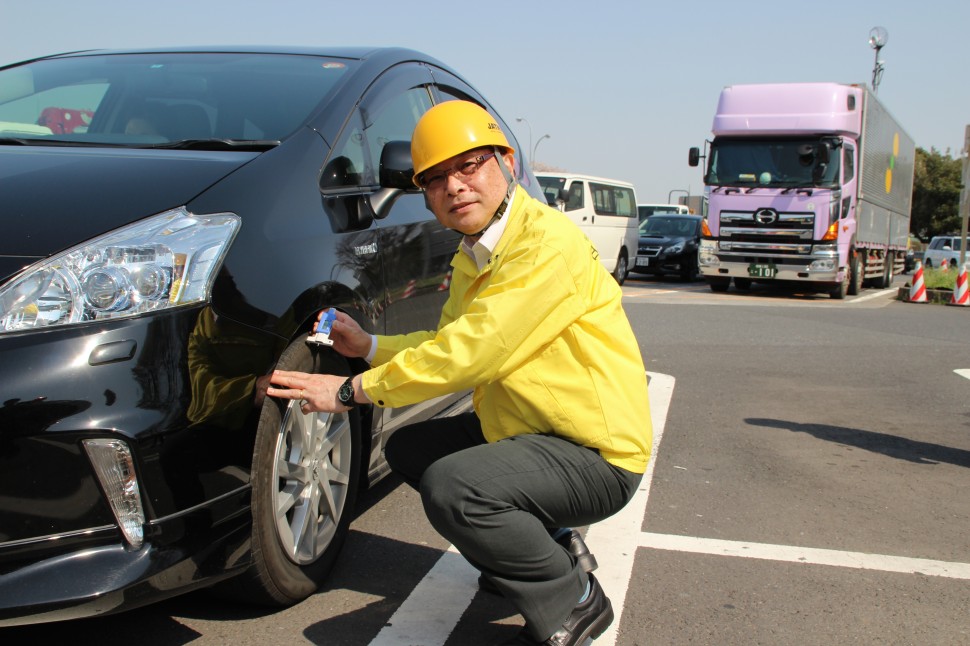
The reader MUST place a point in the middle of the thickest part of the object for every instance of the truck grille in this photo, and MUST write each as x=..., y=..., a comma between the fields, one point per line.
x=767, y=231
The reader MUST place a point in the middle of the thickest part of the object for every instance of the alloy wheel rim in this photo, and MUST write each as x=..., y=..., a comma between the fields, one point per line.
x=311, y=470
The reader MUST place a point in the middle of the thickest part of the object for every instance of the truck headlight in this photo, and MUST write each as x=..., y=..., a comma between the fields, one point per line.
x=164, y=261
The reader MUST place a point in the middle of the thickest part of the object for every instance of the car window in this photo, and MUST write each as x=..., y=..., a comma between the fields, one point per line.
x=613, y=200
x=357, y=154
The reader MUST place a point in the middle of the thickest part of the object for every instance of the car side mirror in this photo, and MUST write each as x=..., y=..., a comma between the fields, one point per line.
x=694, y=156
x=396, y=171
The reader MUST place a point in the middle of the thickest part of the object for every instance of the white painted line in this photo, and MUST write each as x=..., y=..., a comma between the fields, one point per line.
x=963, y=372
x=808, y=555
x=873, y=295
x=619, y=536
x=435, y=606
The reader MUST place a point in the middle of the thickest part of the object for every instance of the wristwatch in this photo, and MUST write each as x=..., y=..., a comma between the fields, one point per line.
x=345, y=395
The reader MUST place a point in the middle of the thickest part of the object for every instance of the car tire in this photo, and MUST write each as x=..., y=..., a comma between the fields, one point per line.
x=622, y=268
x=300, y=516
x=689, y=270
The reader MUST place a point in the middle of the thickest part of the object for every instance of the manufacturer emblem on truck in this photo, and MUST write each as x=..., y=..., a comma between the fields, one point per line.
x=766, y=216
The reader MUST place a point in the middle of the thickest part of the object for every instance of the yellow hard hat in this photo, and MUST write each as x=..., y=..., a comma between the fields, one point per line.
x=451, y=128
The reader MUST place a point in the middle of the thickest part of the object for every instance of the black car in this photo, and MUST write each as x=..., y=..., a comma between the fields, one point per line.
x=173, y=221
x=668, y=244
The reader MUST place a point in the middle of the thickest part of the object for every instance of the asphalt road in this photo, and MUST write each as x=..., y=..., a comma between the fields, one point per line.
x=811, y=485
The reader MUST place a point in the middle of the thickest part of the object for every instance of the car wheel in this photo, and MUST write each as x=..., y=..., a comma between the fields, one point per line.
x=622, y=268
x=305, y=477
x=927, y=263
x=689, y=269
x=743, y=284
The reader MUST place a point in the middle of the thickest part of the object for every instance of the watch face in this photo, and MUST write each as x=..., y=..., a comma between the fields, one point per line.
x=346, y=393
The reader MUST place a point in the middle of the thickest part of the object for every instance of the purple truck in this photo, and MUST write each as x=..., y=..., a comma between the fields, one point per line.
x=806, y=182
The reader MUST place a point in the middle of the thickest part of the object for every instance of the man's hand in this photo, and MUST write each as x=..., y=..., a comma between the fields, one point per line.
x=317, y=393
x=349, y=339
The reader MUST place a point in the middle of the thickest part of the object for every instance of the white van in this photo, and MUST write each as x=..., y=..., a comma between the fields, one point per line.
x=605, y=210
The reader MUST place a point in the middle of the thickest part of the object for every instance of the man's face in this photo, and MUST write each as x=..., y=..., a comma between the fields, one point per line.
x=466, y=203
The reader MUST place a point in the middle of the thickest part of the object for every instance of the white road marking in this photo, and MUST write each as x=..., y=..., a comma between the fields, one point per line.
x=808, y=555
x=963, y=372
x=873, y=295
x=435, y=606
x=619, y=535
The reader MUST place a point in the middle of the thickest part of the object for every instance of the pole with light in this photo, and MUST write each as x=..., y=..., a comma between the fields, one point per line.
x=878, y=37
x=676, y=190
x=536, y=147
x=521, y=119
x=964, y=206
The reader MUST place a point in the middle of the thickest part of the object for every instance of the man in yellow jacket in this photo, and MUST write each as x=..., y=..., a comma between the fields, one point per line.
x=534, y=324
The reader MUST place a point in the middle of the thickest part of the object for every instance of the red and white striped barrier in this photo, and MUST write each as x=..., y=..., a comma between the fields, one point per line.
x=410, y=289
x=446, y=283
x=960, y=294
x=917, y=292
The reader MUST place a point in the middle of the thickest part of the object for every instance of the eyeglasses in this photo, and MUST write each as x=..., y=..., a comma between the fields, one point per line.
x=433, y=181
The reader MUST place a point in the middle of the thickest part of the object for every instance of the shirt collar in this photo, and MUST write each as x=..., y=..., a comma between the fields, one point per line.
x=481, y=250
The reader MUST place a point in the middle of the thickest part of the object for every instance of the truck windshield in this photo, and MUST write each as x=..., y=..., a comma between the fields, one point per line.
x=771, y=163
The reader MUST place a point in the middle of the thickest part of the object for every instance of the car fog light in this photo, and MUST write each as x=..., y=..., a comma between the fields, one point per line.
x=115, y=469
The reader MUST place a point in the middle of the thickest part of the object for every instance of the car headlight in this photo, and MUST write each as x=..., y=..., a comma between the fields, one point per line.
x=674, y=249
x=164, y=261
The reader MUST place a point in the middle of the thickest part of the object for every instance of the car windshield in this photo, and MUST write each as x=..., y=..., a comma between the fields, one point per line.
x=156, y=99
x=658, y=225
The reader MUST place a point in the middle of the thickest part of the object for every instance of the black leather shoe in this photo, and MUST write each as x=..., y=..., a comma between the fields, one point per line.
x=576, y=546
x=572, y=542
x=589, y=620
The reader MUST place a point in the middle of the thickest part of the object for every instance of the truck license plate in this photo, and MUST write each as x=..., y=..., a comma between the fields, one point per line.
x=762, y=270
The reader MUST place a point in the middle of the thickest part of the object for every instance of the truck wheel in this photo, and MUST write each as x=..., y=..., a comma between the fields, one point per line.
x=886, y=280
x=743, y=284
x=840, y=290
x=305, y=476
x=855, y=272
x=719, y=284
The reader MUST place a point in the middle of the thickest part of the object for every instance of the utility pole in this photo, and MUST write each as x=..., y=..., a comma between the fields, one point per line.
x=964, y=209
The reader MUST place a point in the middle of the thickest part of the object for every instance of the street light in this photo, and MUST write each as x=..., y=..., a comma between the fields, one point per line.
x=537, y=148
x=878, y=37
x=677, y=190
x=530, y=129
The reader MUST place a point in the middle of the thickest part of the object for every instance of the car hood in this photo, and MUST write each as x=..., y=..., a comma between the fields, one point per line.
x=54, y=198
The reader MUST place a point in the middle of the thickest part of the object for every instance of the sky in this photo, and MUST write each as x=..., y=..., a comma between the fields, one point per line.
x=622, y=88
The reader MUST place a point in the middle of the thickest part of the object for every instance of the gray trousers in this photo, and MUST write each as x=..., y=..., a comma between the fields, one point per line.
x=498, y=502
